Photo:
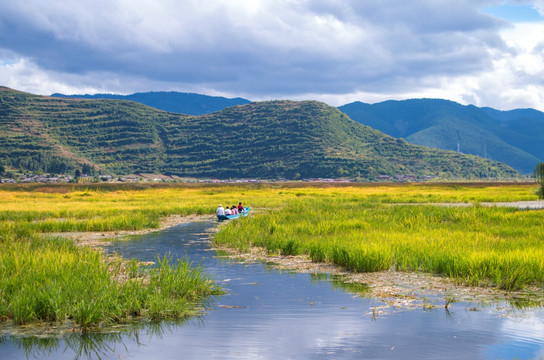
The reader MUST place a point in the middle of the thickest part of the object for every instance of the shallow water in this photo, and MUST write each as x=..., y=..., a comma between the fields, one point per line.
x=269, y=314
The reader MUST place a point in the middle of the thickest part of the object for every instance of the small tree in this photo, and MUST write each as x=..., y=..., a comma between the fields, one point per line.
x=87, y=169
x=539, y=177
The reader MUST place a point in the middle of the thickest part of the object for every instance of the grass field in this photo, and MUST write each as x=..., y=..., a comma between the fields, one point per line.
x=363, y=227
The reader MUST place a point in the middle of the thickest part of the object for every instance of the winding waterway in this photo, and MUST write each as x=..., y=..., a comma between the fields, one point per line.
x=269, y=314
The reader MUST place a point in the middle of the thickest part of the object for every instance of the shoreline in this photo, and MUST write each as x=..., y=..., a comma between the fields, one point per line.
x=397, y=290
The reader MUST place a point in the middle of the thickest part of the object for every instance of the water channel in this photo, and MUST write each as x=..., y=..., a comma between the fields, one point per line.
x=270, y=314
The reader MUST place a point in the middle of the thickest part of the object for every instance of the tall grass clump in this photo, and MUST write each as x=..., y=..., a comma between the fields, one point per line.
x=53, y=280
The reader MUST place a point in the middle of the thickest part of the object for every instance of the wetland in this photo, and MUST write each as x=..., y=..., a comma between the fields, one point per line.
x=302, y=284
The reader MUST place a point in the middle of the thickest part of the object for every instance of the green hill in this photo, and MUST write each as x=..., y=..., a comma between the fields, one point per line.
x=258, y=140
x=513, y=137
x=172, y=101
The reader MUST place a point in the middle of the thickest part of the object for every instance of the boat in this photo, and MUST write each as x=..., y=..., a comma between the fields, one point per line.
x=236, y=216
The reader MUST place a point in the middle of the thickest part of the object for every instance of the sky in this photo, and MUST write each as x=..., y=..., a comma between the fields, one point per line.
x=480, y=52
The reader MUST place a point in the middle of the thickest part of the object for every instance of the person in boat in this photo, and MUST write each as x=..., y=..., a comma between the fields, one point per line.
x=227, y=211
x=240, y=208
x=233, y=210
x=220, y=210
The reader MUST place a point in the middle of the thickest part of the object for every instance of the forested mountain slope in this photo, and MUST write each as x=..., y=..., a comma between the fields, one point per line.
x=514, y=137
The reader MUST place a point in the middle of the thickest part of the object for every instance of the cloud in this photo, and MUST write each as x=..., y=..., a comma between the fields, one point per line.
x=258, y=49
x=539, y=6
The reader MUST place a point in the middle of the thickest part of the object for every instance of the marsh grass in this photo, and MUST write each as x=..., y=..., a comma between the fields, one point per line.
x=476, y=245
x=358, y=227
x=53, y=280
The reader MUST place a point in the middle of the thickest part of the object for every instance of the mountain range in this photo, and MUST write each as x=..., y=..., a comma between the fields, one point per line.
x=514, y=137
x=271, y=139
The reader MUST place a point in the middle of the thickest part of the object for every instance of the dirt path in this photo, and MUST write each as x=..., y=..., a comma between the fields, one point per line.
x=532, y=205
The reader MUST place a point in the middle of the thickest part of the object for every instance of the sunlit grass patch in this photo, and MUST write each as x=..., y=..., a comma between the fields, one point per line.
x=477, y=245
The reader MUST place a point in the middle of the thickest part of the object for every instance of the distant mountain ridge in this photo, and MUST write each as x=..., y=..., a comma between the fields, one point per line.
x=272, y=139
x=172, y=101
x=514, y=137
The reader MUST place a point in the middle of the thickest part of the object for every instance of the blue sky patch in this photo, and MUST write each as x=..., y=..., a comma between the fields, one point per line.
x=5, y=62
x=515, y=13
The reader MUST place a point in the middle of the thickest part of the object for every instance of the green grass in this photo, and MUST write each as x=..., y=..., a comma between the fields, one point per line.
x=476, y=245
x=53, y=280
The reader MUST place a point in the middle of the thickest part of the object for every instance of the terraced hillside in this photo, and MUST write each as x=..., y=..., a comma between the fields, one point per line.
x=259, y=140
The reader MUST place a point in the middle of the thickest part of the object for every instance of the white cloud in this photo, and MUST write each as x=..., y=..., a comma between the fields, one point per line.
x=515, y=79
x=261, y=49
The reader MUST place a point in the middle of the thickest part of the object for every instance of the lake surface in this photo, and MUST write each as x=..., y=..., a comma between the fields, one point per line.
x=269, y=314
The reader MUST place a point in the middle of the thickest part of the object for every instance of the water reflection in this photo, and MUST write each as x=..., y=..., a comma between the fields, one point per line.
x=341, y=282
x=90, y=345
x=270, y=314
